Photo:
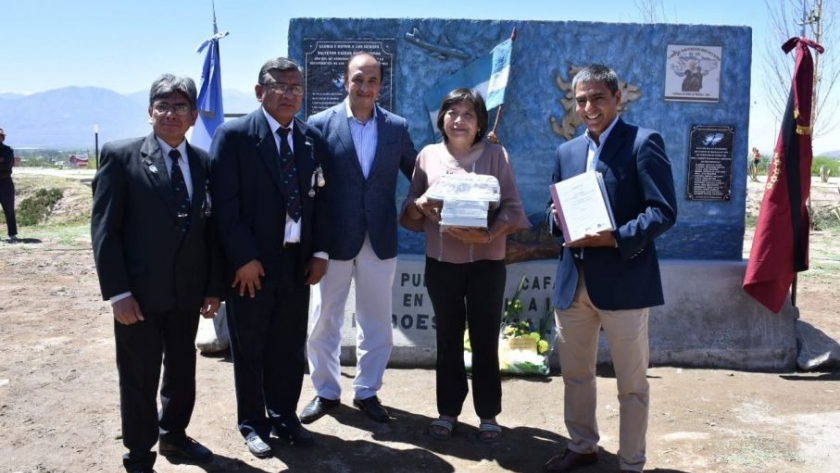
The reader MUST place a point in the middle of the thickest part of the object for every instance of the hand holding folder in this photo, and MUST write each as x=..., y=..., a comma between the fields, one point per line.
x=583, y=206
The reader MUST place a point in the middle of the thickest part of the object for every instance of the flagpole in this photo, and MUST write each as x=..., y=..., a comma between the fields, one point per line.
x=215, y=26
x=807, y=19
x=492, y=137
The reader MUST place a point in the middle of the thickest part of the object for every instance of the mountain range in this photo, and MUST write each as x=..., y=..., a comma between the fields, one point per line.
x=65, y=118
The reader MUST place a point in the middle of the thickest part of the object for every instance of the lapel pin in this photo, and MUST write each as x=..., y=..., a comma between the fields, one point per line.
x=152, y=167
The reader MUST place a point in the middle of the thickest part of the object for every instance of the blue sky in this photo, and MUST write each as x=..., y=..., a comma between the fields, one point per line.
x=123, y=45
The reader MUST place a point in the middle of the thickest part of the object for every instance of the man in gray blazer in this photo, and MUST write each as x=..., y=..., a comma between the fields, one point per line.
x=367, y=147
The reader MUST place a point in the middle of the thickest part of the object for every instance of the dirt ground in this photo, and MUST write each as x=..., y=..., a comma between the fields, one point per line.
x=59, y=405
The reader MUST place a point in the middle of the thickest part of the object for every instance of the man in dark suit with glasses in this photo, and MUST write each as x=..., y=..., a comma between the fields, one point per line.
x=269, y=197
x=160, y=267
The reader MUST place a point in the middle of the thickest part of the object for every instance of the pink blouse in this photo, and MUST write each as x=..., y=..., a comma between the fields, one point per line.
x=484, y=158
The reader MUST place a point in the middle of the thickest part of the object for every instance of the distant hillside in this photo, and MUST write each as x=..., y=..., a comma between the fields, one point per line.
x=830, y=154
x=64, y=118
x=235, y=101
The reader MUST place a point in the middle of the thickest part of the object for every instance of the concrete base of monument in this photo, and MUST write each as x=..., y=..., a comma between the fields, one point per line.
x=707, y=321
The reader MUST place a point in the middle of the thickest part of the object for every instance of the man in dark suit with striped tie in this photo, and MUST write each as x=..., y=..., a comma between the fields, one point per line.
x=159, y=265
x=273, y=225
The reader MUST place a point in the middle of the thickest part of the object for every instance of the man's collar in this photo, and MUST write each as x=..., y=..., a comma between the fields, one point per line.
x=350, y=111
x=274, y=124
x=164, y=146
x=604, y=134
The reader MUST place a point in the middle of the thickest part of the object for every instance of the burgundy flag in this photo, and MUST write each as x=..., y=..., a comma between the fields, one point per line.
x=780, y=245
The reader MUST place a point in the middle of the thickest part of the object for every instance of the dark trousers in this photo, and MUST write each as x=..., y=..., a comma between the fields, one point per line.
x=168, y=338
x=471, y=295
x=7, y=200
x=268, y=336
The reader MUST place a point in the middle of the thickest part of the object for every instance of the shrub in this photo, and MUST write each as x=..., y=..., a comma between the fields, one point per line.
x=38, y=207
x=832, y=165
x=824, y=218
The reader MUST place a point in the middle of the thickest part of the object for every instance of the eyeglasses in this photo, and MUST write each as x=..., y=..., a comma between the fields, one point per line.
x=282, y=89
x=164, y=108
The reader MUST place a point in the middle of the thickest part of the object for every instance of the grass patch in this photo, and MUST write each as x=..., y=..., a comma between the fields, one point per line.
x=760, y=452
x=77, y=234
x=825, y=218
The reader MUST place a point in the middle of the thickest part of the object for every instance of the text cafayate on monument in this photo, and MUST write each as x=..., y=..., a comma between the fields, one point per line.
x=583, y=206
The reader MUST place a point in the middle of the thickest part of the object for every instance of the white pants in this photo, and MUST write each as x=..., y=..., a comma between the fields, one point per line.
x=374, y=336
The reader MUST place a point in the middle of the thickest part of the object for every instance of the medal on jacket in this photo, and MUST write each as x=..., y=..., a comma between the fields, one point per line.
x=320, y=172
x=207, y=206
x=317, y=180
x=152, y=167
x=311, y=149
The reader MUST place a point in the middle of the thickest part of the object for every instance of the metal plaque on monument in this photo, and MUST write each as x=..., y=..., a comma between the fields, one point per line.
x=324, y=70
x=710, y=162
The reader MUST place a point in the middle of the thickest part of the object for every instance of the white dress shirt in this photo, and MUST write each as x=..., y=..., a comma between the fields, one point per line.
x=365, y=136
x=291, y=234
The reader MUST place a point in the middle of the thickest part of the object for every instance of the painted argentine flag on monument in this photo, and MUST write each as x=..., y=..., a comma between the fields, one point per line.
x=488, y=75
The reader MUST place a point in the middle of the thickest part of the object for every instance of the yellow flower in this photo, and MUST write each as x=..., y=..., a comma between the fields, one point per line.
x=542, y=346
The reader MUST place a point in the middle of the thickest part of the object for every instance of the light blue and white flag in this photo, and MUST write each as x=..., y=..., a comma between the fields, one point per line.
x=211, y=112
x=488, y=75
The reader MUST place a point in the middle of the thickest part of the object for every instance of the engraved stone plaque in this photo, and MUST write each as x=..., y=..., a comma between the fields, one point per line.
x=324, y=70
x=710, y=162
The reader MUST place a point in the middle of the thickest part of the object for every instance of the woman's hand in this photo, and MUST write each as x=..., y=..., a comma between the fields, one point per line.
x=471, y=235
x=427, y=208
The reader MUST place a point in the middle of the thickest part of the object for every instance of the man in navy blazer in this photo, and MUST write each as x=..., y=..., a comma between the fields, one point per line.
x=610, y=279
x=159, y=265
x=367, y=149
x=273, y=225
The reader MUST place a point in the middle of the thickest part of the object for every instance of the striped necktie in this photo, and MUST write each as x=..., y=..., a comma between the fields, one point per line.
x=182, y=197
x=288, y=172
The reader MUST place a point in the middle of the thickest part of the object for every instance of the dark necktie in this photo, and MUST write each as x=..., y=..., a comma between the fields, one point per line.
x=182, y=197
x=288, y=172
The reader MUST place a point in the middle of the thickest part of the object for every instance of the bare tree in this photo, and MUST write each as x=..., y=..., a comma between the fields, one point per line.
x=814, y=19
x=651, y=11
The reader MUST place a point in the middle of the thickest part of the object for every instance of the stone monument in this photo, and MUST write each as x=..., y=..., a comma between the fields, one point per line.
x=689, y=82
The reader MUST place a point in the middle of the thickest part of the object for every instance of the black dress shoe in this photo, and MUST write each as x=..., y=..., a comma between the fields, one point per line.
x=317, y=408
x=570, y=460
x=257, y=446
x=186, y=448
x=296, y=434
x=373, y=408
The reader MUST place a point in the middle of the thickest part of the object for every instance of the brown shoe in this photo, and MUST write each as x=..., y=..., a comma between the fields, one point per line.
x=569, y=460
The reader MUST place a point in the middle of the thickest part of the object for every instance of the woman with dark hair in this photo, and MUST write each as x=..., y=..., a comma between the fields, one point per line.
x=465, y=269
